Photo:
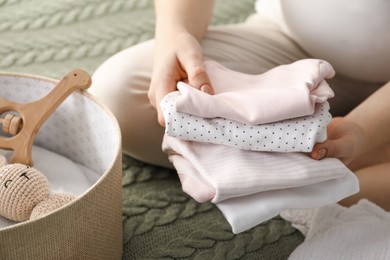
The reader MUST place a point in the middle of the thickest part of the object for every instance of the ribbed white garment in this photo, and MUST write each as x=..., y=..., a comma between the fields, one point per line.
x=290, y=135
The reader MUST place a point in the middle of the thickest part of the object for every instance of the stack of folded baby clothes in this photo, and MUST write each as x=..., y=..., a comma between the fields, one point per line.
x=244, y=147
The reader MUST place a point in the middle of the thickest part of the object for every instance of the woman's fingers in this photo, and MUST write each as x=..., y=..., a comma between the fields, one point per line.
x=181, y=61
x=207, y=89
x=160, y=86
x=344, y=140
x=191, y=61
x=330, y=148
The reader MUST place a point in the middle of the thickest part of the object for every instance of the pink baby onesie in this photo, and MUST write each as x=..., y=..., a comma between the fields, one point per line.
x=218, y=172
x=284, y=92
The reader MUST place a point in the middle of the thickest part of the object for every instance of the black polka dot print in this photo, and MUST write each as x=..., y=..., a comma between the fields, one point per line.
x=292, y=135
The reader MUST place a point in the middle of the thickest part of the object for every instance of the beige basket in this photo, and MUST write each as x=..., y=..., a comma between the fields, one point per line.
x=83, y=130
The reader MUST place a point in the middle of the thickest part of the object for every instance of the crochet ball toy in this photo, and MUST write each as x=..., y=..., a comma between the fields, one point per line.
x=25, y=193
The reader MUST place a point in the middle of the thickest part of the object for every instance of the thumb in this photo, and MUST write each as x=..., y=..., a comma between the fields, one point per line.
x=329, y=148
x=196, y=73
x=198, y=78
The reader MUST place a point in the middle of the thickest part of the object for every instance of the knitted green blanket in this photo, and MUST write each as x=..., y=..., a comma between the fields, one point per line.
x=50, y=38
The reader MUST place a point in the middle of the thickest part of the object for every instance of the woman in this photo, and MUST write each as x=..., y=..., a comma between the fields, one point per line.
x=352, y=35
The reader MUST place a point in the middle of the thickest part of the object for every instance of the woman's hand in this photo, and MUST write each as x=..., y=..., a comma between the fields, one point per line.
x=177, y=59
x=345, y=139
x=180, y=25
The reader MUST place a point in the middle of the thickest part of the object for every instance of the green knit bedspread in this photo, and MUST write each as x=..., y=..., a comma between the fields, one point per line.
x=51, y=37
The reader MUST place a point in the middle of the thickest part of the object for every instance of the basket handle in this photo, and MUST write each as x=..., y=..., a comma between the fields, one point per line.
x=25, y=127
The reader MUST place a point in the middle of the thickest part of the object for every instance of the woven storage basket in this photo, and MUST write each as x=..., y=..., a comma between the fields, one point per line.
x=83, y=130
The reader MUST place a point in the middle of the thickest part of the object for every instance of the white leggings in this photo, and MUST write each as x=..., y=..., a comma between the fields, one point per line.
x=252, y=47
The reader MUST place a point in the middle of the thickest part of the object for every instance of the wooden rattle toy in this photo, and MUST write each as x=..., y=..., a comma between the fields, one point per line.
x=24, y=127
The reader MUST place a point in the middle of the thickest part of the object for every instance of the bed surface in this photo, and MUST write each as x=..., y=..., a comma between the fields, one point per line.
x=50, y=38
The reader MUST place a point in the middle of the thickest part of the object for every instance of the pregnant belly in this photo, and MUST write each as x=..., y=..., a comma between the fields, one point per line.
x=353, y=35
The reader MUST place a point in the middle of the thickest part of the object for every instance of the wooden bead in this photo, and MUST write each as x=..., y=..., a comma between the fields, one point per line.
x=16, y=125
x=7, y=123
x=11, y=124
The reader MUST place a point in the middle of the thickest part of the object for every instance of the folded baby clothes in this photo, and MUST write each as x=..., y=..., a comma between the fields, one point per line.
x=217, y=172
x=290, y=135
x=246, y=212
x=284, y=92
x=217, y=143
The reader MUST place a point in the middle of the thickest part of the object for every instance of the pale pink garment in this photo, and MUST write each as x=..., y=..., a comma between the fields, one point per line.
x=286, y=91
x=210, y=172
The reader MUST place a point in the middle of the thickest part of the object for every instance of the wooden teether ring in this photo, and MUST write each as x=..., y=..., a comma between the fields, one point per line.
x=34, y=114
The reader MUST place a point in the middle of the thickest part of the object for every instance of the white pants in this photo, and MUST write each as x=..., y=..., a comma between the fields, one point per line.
x=252, y=47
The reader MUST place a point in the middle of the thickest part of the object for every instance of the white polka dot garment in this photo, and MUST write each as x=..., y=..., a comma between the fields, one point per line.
x=291, y=135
